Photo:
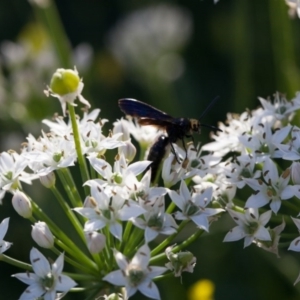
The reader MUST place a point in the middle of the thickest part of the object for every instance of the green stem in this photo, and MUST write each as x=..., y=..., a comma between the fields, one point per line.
x=69, y=213
x=15, y=262
x=170, y=208
x=49, y=17
x=168, y=240
x=176, y=249
x=73, y=249
x=70, y=187
x=81, y=159
x=69, y=260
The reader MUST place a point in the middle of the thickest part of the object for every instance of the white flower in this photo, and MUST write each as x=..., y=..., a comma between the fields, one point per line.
x=281, y=109
x=223, y=190
x=12, y=167
x=250, y=226
x=142, y=189
x=136, y=274
x=117, y=176
x=194, y=206
x=262, y=142
x=93, y=141
x=274, y=190
x=241, y=167
x=172, y=171
x=144, y=135
x=3, y=229
x=228, y=139
x=51, y=152
x=108, y=209
x=46, y=279
x=291, y=151
x=155, y=221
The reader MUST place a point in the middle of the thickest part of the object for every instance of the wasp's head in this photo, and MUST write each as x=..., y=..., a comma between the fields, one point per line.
x=195, y=125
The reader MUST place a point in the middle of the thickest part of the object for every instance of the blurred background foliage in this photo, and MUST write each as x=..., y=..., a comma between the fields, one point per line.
x=177, y=56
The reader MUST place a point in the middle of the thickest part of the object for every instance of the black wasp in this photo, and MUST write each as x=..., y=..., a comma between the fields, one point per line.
x=176, y=128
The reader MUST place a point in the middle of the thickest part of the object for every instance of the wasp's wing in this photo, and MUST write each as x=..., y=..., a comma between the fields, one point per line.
x=142, y=110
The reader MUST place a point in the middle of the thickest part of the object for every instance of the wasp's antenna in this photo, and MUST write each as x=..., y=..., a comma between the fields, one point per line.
x=211, y=127
x=208, y=108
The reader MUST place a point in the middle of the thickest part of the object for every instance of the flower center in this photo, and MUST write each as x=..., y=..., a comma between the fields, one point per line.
x=57, y=156
x=9, y=175
x=135, y=275
x=251, y=228
x=281, y=110
x=155, y=222
x=246, y=173
x=117, y=178
x=48, y=282
x=191, y=209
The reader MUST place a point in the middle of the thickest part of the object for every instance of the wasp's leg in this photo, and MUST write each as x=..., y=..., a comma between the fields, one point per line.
x=184, y=147
x=174, y=152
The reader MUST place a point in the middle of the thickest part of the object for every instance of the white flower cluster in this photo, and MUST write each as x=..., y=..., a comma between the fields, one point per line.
x=124, y=211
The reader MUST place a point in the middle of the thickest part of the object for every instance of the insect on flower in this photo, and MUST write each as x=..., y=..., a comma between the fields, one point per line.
x=176, y=128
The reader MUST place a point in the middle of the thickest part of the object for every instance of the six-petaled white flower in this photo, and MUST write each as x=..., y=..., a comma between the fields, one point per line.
x=136, y=274
x=193, y=207
x=250, y=226
x=46, y=280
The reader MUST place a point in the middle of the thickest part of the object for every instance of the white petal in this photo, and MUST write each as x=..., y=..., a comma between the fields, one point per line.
x=184, y=191
x=58, y=265
x=150, y=234
x=34, y=291
x=149, y=289
x=121, y=260
x=178, y=200
x=50, y=295
x=288, y=192
x=4, y=246
x=295, y=245
x=115, y=277
x=116, y=230
x=138, y=167
x=3, y=228
x=265, y=217
x=65, y=283
x=94, y=225
x=131, y=209
x=142, y=257
x=201, y=221
x=262, y=234
x=275, y=205
x=271, y=170
x=28, y=278
x=155, y=271
x=258, y=200
x=234, y=234
x=297, y=222
x=248, y=241
x=40, y=264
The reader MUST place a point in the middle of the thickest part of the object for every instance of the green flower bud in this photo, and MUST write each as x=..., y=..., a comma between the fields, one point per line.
x=64, y=82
